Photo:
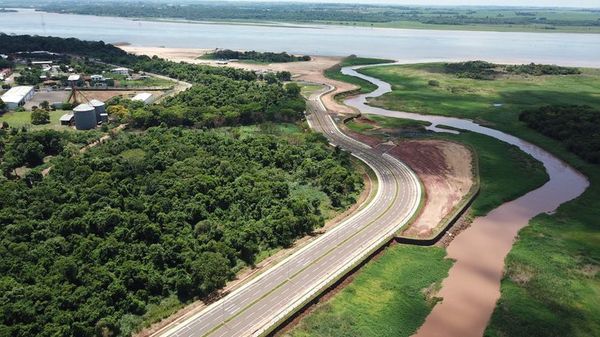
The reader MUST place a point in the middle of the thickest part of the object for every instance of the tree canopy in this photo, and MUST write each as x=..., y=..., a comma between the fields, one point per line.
x=577, y=126
x=166, y=212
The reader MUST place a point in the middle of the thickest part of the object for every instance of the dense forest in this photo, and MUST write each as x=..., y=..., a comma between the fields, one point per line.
x=266, y=57
x=319, y=12
x=160, y=213
x=167, y=212
x=577, y=126
x=482, y=70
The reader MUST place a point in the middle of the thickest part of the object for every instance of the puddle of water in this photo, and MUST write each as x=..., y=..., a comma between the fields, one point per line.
x=472, y=287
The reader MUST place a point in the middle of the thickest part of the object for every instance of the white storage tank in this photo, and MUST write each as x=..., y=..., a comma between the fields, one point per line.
x=85, y=117
x=99, y=106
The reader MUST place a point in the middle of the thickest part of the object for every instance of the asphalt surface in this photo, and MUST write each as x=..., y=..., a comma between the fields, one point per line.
x=265, y=301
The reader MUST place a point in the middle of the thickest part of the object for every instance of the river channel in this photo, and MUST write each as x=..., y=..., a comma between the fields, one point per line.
x=472, y=287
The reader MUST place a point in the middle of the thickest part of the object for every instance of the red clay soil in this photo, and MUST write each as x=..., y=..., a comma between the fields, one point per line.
x=446, y=172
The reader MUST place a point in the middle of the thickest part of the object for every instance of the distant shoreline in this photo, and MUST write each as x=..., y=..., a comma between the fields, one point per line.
x=323, y=25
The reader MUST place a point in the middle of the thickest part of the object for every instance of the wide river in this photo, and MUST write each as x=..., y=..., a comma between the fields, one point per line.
x=406, y=45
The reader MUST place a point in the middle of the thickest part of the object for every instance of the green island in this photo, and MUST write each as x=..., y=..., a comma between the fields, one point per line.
x=551, y=280
x=106, y=241
x=253, y=56
x=477, y=18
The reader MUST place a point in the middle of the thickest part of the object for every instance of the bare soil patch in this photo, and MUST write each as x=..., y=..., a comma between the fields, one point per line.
x=445, y=168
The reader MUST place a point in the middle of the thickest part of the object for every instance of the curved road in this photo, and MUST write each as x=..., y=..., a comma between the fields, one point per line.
x=258, y=306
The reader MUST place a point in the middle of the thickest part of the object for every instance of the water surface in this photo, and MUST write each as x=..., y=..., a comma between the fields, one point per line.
x=407, y=45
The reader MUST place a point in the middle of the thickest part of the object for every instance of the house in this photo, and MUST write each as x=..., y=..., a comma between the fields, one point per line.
x=120, y=71
x=5, y=73
x=97, y=78
x=144, y=97
x=17, y=96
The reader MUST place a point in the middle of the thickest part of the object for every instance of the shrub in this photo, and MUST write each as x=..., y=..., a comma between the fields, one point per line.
x=39, y=116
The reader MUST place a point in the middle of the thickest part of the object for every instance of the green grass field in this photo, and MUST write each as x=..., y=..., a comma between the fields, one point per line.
x=308, y=89
x=552, y=284
x=23, y=119
x=388, y=297
x=335, y=74
x=475, y=99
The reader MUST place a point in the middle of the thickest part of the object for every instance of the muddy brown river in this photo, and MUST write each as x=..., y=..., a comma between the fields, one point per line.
x=472, y=287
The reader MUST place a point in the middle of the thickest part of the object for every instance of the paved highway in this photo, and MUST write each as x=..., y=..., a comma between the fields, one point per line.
x=262, y=303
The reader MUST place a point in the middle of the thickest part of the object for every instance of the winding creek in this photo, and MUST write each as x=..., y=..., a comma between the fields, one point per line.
x=472, y=287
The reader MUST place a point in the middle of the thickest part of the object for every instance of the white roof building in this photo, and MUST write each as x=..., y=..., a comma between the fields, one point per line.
x=38, y=63
x=145, y=97
x=74, y=78
x=122, y=71
x=17, y=96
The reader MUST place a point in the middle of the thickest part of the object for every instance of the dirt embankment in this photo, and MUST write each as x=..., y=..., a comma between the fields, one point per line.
x=445, y=168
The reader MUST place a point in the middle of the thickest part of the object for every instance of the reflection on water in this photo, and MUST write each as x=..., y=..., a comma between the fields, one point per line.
x=472, y=287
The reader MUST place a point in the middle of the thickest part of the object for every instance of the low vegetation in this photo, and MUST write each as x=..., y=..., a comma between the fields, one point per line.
x=111, y=233
x=496, y=103
x=254, y=56
x=551, y=280
x=390, y=296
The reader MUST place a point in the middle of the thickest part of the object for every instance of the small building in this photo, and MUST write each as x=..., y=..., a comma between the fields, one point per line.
x=67, y=119
x=96, y=78
x=104, y=117
x=17, y=96
x=144, y=97
x=5, y=73
x=85, y=117
x=74, y=78
x=120, y=71
x=39, y=63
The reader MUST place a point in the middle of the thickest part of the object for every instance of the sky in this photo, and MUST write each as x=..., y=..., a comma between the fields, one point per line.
x=542, y=3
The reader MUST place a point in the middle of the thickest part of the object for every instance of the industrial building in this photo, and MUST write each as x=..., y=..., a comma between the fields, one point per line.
x=85, y=117
x=17, y=96
x=144, y=97
x=99, y=107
